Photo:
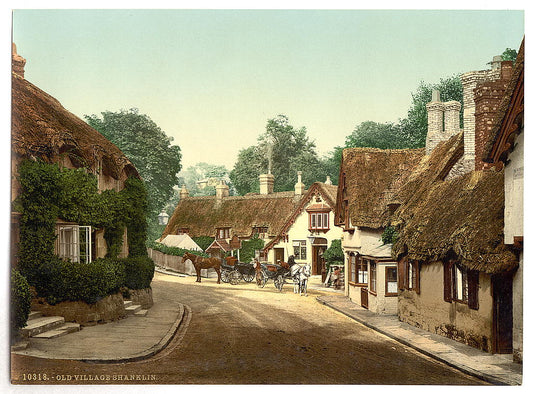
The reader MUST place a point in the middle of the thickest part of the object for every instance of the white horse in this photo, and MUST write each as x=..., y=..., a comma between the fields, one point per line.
x=304, y=274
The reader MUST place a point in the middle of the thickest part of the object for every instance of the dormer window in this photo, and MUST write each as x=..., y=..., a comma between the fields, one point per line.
x=319, y=221
x=181, y=231
x=260, y=231
x=223, y=233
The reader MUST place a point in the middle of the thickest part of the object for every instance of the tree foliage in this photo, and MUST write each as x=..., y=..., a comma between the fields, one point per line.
x=289, y=149
x=203, y=172
x=509, y=55
x=148, y=148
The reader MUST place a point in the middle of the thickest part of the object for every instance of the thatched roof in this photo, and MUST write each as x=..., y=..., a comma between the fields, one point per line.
x=463, y=216
x=432, y=168
x=373, y=177
x=203, y=215
x=510, y=108
x=42, y=128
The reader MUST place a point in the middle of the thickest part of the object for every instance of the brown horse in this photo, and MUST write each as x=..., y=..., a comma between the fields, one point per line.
x=203, y=263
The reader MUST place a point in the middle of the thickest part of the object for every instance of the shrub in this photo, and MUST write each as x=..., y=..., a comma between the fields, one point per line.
x=63, y=280
x=389, y=235
x=334, y=254
x=20, y=301
x=138, y=272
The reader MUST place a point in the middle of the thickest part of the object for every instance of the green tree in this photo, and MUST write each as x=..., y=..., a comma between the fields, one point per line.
x=509, y=54
x=334, y=254
x=204, y=171
x=285, y=150
x=376, y=135
x=413, y=128
x=148, y=148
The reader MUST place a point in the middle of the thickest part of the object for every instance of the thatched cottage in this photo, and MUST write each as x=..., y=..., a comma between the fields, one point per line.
x=455, y=270
x=505, y=150
x=288, y=222
x=369, y=178
x=43, y=129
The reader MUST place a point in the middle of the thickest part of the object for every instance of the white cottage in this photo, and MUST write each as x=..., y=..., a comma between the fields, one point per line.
x=310, y=229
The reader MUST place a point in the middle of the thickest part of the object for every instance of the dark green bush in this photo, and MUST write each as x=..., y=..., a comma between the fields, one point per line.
x=63, y=280
x=203, y=242
x=20, y=301
x=139, y=272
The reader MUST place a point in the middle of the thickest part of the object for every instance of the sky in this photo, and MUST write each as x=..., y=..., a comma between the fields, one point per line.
x=212, y=78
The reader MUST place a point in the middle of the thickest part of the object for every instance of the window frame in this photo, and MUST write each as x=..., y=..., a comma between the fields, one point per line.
x=319, y=221
x=72, y=247
x=361, y=273
x=372, y=276
x=299, y=246
x=387, y=281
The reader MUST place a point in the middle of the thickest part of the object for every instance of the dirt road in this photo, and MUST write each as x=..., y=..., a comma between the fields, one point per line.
x=246, y=335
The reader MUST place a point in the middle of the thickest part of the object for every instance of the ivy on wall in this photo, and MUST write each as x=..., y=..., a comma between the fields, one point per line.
x=49, y=193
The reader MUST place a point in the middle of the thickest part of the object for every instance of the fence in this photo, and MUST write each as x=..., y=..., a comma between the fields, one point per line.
x=176, y=264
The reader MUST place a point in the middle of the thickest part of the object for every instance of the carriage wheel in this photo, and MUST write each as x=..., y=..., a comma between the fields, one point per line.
x=261, y=279
x=224, y=275
x=279, y=282
x=248, y=277
x=234, y=277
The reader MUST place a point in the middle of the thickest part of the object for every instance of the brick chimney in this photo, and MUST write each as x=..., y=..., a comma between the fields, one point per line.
x=435, y=110
x=299, y=188
x=266, y=183
x=487, y=99
x=470, y=81
x=17, y=62
x=222, y=190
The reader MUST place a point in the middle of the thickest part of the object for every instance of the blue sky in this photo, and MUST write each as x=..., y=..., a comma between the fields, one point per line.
x=212, y=78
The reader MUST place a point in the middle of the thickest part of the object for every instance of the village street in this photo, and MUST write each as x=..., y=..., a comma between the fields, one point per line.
x=243, y=334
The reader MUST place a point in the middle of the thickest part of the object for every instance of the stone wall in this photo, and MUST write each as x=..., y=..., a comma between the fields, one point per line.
x=142, y=297
x=105, y=310
x=454, y=320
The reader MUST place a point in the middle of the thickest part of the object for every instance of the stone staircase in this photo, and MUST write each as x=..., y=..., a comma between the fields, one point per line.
x=134, y=309
x=47, y=327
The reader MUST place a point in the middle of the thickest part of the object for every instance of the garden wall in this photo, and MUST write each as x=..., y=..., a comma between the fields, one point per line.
x=176, y=264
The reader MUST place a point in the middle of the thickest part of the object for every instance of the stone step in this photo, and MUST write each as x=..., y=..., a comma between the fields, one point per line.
x=130, y=310
x=128, y=303
x=141, y=313
x=34, y=315
x=65, y=329
x=41, y=324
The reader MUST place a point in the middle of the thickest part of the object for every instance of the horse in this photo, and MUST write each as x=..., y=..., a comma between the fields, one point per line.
x=203, y=263
x=303, y=279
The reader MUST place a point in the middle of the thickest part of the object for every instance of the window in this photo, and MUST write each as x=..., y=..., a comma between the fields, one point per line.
x=319, y=221
x=300, y=250
x=182, y=231
x=362, y=270
x=461, y=285
x=373, y=278
x=260, y=231
x=223, y=233
x=75, y=243
x=391, y=281
x=409, y=275
x=351, y=268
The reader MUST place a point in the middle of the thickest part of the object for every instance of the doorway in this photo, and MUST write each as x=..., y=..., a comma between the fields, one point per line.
x=279, y=255
x=319, y=247
x=502, y=313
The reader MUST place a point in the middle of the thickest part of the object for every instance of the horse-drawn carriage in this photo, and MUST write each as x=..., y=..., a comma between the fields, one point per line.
x=280, y=274
x=232, y=271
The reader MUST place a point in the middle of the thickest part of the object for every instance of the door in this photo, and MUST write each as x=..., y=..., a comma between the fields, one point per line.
x=502, y=313
x=319, y=247
x=279, y=255
x=364, y=297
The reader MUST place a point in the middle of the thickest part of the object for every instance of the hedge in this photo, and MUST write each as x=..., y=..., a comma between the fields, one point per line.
x=20, y=301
